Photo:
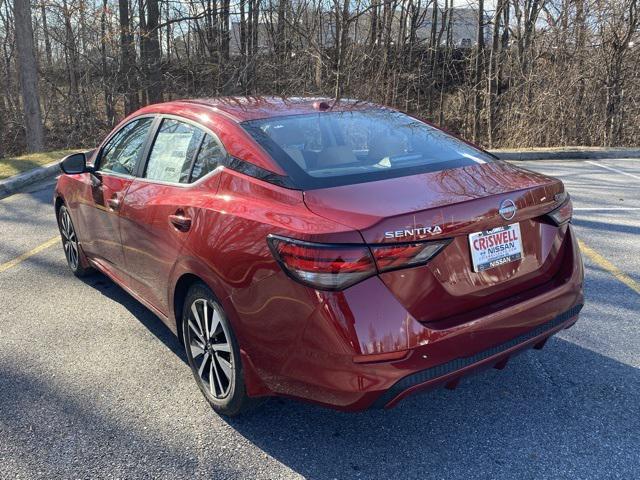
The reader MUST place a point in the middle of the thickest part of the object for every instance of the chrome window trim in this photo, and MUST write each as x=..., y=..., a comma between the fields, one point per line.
x=115, y=174
x=181, y=185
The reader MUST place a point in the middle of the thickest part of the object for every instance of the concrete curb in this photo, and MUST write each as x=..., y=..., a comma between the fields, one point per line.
x=13, y=184
x=567, y=154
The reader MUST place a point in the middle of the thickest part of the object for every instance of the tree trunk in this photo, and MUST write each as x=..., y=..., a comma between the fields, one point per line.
x=109, y=108
x=243, y=28
x=477, y=74
x=144, y=59
x=243, y=44
x=224, y=30
x=432, y=57
x=74, y=101
x=373, y=25
x=28, y=74
x=128, y=81
x=448, y=48
x=154, y=80
x=492, y=80
x=280, y=46
x=342, y=34
x=581, y=28
x=45, y=32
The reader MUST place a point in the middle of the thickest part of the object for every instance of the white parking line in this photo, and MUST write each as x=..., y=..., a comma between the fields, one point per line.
x=606, y=209
x=613, y=169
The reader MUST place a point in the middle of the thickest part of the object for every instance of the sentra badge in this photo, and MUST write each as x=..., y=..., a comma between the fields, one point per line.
x=414, y=232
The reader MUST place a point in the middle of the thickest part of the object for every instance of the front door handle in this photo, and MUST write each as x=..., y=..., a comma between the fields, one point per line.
x=114, y=203
x=180, y=221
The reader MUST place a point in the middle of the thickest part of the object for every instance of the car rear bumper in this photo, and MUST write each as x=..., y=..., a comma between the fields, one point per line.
x=326, y=366
x=497, y=356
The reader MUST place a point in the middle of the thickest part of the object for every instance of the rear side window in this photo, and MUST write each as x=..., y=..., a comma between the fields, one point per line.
x=210, y=156
x=121, y=153
x=173, y=151
x=328, y=149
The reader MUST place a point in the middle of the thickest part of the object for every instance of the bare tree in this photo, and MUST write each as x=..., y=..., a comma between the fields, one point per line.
x=617, y=35
x=504, y=73
x=128, y=74
x=28, y=74
x=477, y=72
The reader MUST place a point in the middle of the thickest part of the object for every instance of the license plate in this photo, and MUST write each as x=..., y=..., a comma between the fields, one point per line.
x=491, y=248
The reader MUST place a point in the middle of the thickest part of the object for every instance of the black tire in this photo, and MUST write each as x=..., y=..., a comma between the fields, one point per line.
x=76, y=259
x=211, y=358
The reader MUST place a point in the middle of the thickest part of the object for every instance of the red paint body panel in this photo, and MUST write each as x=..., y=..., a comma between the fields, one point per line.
x=253, y=108
x=151, y=244
x=446, y=197
x=312, y=344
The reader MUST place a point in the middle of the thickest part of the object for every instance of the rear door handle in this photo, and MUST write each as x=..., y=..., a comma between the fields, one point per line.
x=180, y=221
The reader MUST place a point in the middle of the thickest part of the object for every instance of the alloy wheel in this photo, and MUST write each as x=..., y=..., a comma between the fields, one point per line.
x=69, y=239
x=210, y=348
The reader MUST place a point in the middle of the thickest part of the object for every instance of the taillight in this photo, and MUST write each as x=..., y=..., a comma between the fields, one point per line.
x=392, y=257
x=322, y=266
x=338, y=266
x=564, y=212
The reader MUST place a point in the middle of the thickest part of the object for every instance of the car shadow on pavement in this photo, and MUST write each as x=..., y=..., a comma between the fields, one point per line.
x=48, y=431
x=608, y=226
x=570, y=414
x=111, y=290
x=41, y=192
x=564, y=412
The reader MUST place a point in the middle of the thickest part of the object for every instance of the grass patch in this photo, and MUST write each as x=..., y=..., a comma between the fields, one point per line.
x=13, y=165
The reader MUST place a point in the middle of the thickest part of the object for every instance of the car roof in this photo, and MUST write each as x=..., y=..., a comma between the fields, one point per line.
x=234, y=110
x=241, y=109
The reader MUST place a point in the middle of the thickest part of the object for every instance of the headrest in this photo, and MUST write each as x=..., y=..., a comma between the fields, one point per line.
x=338, y=155
x=287, y=135
x=384, y=146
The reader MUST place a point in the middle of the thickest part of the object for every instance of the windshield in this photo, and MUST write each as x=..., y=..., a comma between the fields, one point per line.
x=328, y=149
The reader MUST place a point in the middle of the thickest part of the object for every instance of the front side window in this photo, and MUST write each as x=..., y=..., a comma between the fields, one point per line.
x=328, y=149
x=173, y=151
x=121, y=154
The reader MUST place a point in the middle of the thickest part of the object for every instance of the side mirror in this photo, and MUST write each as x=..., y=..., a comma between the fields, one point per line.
x=74, y=164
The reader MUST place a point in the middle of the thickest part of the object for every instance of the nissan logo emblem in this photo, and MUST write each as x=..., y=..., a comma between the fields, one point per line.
x=507, y=209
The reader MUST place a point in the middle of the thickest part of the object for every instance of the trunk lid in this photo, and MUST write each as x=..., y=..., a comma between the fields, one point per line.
x=452, y=204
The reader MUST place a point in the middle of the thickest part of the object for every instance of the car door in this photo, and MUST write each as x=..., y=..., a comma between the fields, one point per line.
x=161, y=204
x=115, y=167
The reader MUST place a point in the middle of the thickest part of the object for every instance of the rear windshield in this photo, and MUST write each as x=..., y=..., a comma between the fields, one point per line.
x=328, y=149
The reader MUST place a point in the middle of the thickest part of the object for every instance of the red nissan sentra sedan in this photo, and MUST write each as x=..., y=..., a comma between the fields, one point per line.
x=346, y=254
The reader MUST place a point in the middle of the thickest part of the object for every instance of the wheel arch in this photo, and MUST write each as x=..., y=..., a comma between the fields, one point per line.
x=186, y=274
x=254, y=383
x=58, y=201
x=180, y=290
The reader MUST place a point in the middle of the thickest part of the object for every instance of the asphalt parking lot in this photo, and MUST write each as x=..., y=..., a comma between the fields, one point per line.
x=92, y=385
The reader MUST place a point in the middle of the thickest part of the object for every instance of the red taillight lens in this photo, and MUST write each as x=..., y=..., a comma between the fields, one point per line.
x=338, y=266
x=323, y=266
x=564, y=212
x=392, y=257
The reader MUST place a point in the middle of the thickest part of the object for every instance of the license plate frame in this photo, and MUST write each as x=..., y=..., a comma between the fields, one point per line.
x=495, y=247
